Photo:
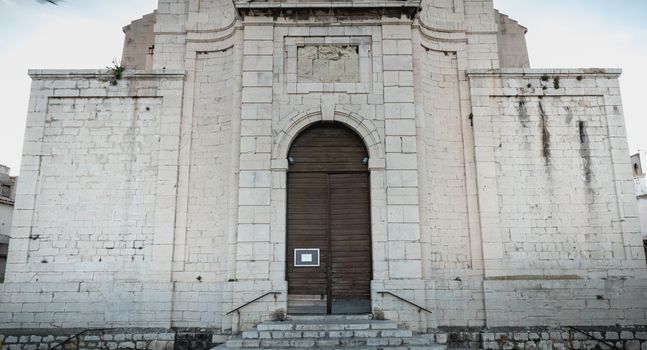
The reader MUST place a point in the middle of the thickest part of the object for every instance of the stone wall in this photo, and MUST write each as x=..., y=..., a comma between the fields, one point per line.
x=117, y=338
x=560, y=229
x=540, y=338
x=88, y=245
x=544, y=338
x=201, y=249
x=450, y=230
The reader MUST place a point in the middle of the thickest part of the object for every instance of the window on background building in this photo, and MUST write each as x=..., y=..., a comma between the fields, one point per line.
x=4, y=249
x=645, y=246
x=6, y=191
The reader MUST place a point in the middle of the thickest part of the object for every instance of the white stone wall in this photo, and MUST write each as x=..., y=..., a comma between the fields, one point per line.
x=87, y=240
x=642, y=213
x=560, y=229
x=450, y=228
x=201, y=250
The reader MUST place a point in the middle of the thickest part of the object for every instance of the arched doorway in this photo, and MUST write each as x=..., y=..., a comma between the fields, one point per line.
x=329, y=265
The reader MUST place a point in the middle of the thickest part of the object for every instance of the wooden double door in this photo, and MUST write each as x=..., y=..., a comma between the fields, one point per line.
x=328, y=211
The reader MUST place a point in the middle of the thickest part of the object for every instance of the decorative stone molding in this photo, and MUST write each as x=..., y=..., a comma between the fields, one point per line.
x=293, y=125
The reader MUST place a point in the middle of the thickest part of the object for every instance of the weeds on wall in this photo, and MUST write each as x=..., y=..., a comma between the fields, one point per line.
x=117, y=71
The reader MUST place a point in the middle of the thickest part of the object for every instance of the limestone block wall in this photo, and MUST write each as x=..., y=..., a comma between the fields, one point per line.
x=201, y=247
x=480, y=29
x=642, y=210
x=88, y=243
x=180, y=20
x=560, y=230
x=452, y=257
x=452, y=37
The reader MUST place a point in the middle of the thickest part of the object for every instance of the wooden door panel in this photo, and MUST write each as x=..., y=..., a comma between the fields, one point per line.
x=350, y=233
x=307, y=226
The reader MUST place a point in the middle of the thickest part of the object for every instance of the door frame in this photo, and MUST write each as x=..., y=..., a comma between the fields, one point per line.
x=286, y=129
x=320, y=164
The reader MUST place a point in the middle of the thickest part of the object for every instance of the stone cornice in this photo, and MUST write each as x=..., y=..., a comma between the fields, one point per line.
x=538, y=73
x=42, y=74
x=291, y=4
x=356, y=8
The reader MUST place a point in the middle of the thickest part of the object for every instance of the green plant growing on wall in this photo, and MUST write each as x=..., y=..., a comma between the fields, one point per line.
x=117, y=71
x=556, y=82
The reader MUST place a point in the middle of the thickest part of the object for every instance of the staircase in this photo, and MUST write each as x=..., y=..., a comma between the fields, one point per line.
x=330, y=332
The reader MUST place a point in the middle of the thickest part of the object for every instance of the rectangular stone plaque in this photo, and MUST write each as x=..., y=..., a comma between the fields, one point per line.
x=328, y=64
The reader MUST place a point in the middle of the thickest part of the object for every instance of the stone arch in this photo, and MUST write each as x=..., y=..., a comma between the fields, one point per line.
x=292, y=125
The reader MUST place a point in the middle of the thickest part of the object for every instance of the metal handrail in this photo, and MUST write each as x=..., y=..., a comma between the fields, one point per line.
x=76, y=336
x=610, y=345
x=249, y=302
x=420, y=308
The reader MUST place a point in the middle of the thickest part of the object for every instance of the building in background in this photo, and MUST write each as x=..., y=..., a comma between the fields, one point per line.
x=395, y=157
x=7, y=197
x=640, y=184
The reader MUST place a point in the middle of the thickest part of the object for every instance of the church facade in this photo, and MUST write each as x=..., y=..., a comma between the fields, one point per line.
x=333, y=157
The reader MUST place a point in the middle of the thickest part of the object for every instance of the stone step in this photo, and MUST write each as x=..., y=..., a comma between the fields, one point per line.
x=330, y=332
x=326, y=325
x=363, y=333
x=404, y=347
x=323, y=334
x=336, y=318
x=303, y=343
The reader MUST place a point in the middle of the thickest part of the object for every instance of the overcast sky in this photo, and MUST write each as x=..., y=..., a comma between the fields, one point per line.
x=87, y=34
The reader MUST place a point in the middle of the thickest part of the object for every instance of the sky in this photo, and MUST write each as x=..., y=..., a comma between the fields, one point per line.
x=82, y=34
x=78, y=34
x=591, y=33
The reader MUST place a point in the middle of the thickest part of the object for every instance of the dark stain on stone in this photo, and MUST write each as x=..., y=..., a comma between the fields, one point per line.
x=545, y=135
x=585, y=153
x=523, y=113
x=569, y=115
